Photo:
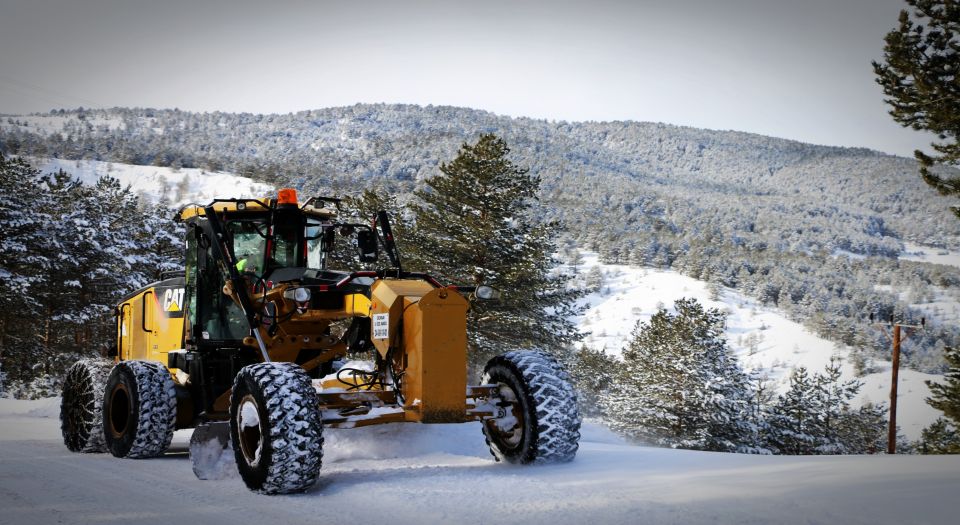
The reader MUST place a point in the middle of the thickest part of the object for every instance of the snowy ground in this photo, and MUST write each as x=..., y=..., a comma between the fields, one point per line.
x=765, y=340
x=422, y=474
x=179, y=186
x=919, y=252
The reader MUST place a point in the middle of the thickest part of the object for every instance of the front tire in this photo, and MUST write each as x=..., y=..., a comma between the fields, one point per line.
x=276, y=428
x=540, y=422
x=139, y=410
x=81, y=405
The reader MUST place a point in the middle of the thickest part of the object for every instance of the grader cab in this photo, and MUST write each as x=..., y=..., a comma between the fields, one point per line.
x=249, y=348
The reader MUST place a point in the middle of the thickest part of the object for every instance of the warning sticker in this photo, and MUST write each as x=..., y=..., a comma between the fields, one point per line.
x=381, y=326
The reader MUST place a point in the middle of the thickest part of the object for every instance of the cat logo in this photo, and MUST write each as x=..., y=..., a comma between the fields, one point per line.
x=173, y=300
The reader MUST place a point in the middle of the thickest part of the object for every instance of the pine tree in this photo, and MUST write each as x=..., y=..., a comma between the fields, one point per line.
x=793, y=418
x=815, y=417
x=945, y=396
x=864, y=431
x=364, y=208
x=942, y=436
x=833, y=397
x=919, y=75
x=25, y=260
x=71, y=251
x=594, y=280
x=680, y=385
x=592, y=371
x=477, y=224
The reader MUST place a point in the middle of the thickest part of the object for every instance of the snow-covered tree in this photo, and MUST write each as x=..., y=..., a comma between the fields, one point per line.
x=815, y=417
x=70, y=251
x=478, y=224
x=942, y=437
x=593, y=372
x=793, y=418
x=680, y=385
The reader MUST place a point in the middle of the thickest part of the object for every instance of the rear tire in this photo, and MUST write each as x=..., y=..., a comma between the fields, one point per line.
x=276, y=428
x=81, y=405
x=540, y=422
x=139, y=410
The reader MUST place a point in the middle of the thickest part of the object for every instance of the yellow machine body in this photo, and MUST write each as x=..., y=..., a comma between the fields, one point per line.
x=150, y=322
x=423, y=329
x=416, y=327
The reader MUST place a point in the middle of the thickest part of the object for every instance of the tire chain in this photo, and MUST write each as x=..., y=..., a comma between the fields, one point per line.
x=296, y=436
x=550, y=389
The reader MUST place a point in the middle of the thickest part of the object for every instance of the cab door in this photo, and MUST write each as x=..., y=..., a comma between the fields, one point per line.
x=125, y=330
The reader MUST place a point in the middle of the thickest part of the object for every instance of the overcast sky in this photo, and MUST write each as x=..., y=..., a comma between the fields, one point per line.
x=786, y=68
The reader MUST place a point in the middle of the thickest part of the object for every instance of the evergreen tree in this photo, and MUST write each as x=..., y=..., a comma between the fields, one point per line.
x=477, y=224
x=25, y=260
x=814, y=417
x=940, y=438
x=593, y=371
x=161, y=243
x=864, y=431
x=833, y=397
x=945, y=396
x=680, y=385
x=919, y=75
x=793, y=418
x=70, y=251
x=364, y=208
x=594, y=280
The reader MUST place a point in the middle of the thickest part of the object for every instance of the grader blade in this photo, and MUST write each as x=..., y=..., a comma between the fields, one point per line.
x=210, y=452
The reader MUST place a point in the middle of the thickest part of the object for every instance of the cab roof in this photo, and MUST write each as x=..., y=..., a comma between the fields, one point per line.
x=313, y=207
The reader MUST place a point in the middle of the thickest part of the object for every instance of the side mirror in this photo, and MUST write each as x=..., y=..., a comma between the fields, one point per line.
x=367, y=246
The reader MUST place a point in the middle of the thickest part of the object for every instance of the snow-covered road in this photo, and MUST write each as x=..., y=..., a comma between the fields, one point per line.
x=421, y=474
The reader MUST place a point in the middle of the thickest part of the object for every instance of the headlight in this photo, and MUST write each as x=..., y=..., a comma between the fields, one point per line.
x=300, y=295
x=487, y=293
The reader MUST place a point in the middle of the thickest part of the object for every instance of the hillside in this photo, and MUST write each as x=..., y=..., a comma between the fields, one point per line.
x=153, y=183
x=385, y=473
x=766, y=341
x=764, y=216
x=400, y=144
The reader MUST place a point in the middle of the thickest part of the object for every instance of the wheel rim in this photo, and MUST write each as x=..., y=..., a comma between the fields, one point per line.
x=250, y=430
x=119, y=410
x=507, y=429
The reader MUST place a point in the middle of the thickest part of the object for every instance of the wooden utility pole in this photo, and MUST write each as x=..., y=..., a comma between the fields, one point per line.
x=892, y=428
x=898, y=338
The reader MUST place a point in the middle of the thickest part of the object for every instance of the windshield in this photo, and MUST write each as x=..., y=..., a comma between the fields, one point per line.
x=315, y=255
x=249, y=244
x=286, y=249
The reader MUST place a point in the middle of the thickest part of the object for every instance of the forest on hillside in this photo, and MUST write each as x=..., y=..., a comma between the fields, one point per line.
x=814, y=230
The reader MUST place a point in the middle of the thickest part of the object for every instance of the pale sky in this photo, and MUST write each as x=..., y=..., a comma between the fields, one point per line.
x=785, y=68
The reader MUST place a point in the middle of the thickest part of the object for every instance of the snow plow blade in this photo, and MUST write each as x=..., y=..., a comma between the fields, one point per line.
x=210, y=452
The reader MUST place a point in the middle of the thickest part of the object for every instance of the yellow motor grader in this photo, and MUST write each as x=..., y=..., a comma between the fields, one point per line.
x=241, y=348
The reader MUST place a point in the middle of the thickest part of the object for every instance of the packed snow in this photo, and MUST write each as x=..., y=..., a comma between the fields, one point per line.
x=425, y=474
x=764, y=339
